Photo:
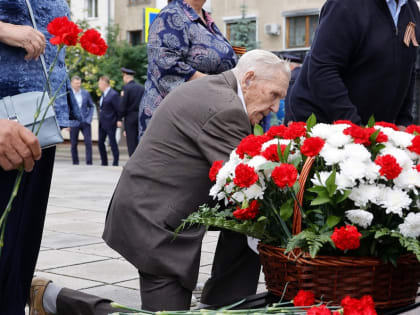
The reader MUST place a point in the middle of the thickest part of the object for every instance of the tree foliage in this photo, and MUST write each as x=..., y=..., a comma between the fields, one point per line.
x=241, y=31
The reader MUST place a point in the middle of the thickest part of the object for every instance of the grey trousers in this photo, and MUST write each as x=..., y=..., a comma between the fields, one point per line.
x=235, y=274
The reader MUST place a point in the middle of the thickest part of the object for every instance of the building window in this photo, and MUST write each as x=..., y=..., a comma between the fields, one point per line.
x=137, y=2
x=134, y=37
x=92, y=8
x=242, y=32
x=300, y=30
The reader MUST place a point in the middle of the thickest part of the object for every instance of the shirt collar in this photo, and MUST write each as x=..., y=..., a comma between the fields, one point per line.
x=193, y=16
x=241, y=96
x=106, y=91
x=74, y=91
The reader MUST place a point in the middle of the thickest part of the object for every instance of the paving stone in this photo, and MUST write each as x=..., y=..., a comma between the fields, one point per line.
x=78, y=228
x=65, y=240
x=97, y=249
x=124, y=296
x=109, y=271
x=76, y=216
x=132, y=284
x=58, y=258
x=68, y=282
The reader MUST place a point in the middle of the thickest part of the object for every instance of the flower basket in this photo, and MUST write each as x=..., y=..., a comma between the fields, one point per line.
x=334, y=277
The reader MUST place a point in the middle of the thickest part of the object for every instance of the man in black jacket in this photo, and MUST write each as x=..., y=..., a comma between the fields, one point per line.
x=362, y=63
x=131, y=96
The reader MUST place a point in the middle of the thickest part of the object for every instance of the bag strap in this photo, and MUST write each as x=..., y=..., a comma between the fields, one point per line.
x=41, y=57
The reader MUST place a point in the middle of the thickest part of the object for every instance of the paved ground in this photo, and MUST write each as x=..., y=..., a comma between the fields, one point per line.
x=73, y=253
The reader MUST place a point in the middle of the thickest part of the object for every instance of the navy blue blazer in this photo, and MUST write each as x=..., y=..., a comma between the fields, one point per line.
x=86, y=111
x=109, y=110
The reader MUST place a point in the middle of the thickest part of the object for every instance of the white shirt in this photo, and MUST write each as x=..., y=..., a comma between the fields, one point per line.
x=78, y=96
x=241, y=96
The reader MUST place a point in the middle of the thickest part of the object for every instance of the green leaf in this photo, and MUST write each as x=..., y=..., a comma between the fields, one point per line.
x=268, y=165
x=262, y=218
x=296, y=187
x=317, y=189
x=371, y=122
x=373, y=136
x=320, y=201
x=258, y=130
x=343, y=196
x=286, y=210
x=310, y=122
x=286, y=152
x=330, y=184
x=333, y=221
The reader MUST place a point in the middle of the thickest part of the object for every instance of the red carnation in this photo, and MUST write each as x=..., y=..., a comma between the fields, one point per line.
x=304, y=298
x=247, y=213
x=65, y=32
x=342, y=121
x=271, y=153
x=295, y=130
x=92, y=42
x=346, y=237
x=319, y=310
x=276, y=131
x=251, y=145
x=389, y=166
x=415, y=145
x=387, y=124
x=364, y=306
x=284, y=175
x=413, y=129
x=418, y=167
x=362, y=135
x=217, y=165
x=312, y=146
x=245, y=176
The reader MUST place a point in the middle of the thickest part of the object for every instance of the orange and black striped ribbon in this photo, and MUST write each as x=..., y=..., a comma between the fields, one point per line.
x=410, y=35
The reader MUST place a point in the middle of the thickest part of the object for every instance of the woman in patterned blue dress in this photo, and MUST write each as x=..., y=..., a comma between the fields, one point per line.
x=20, y=47
x=184, y=44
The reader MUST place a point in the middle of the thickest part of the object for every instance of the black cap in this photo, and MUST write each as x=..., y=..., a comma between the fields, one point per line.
x=128, y=71
x=292, y=58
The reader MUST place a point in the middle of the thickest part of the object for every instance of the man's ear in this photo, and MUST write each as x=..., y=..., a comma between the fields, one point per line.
x=247, y=78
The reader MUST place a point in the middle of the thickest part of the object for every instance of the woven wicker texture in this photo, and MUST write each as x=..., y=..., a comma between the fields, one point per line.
x=332, y=277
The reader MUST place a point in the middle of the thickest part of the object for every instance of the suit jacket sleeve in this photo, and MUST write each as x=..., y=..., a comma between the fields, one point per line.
x=222, y=133
x=331, y=53
x=115, y=102
x=90, y=107
x=124, y=101
x=405, y=116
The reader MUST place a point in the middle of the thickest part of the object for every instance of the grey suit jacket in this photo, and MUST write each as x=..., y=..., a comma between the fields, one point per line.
x=167, y=177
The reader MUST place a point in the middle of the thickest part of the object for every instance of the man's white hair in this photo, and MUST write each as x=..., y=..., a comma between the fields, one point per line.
x=263, y=63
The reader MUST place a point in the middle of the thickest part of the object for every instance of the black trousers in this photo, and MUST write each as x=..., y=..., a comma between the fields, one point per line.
x=24, y=227
x=103, y=133
x=86, y=130
x=235, y=275
x=131, y=126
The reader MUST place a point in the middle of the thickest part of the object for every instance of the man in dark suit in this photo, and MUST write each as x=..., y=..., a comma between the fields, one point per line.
x=109, y=119
x=131, y=97
x=166, y=179
x=86, y=105
x=295, y=67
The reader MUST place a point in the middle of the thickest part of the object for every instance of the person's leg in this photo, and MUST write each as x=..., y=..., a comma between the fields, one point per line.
x=132, y=132
x=160, y=293
x=114, y=146
x=101, y=145
x=235, y=271
x=87, y=135
x=74, y=138
x=23, y=231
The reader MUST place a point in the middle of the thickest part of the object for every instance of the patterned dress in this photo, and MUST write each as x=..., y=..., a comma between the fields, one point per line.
x=180, y=44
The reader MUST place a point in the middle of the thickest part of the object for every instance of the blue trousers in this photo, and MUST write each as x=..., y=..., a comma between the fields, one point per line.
x=24, y=227
x=85, y=128
x=103, y=133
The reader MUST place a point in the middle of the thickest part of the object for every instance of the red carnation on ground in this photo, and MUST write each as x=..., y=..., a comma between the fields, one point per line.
x=312, y=146
x=364, y=306
x=413, y=129
x=295, y=130
x=251, y=145
x=92, y=42
x=284, y=175
x=245, y=176
x=276, y=131
x=389, y=166
x=271, y=153
x=304, y=298
x=319, y=310
x=415, y=145
x=247, y=213
x=214, y=170
x=387, y=124
x=65, y=32
x=346, y=237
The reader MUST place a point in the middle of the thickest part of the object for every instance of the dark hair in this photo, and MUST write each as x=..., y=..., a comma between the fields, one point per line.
x=105, y=79
x=76, y=77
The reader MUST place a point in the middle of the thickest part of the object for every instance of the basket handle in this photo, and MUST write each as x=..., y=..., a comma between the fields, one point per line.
x=297, y=215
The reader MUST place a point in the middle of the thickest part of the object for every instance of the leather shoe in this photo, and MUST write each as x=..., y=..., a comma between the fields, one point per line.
x=36, y=295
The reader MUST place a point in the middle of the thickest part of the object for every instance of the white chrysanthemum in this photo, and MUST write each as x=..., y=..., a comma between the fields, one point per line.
x=411, y=225
x=257, y=161
x=398, y=138
x=354, y=169
x=409, y=178
x=239, y=196
x=331, y=155
x=322, y=130
x=234, y=157
x=355, y=151
x=360, y=217
x=343, y=182
x=372, y=172
x=254, y=192
x=339, y=139
x=214, y=191
x=295, y=154
x=394, y=200
x=276, y=141
x=363, y=194
x=227, y=170
x=403, y=159
x=323, y=176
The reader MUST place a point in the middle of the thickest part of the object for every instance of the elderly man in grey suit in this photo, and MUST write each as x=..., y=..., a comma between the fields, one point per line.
x=166, y=179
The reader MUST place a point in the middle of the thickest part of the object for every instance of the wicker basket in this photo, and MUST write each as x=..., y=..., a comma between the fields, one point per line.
x=333, y=277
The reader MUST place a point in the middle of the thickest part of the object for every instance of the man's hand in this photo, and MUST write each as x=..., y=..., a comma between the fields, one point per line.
x=17, y=146
x=23, y=36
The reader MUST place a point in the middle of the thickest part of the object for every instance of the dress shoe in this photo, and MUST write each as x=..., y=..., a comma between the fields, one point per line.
x=36, y=296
